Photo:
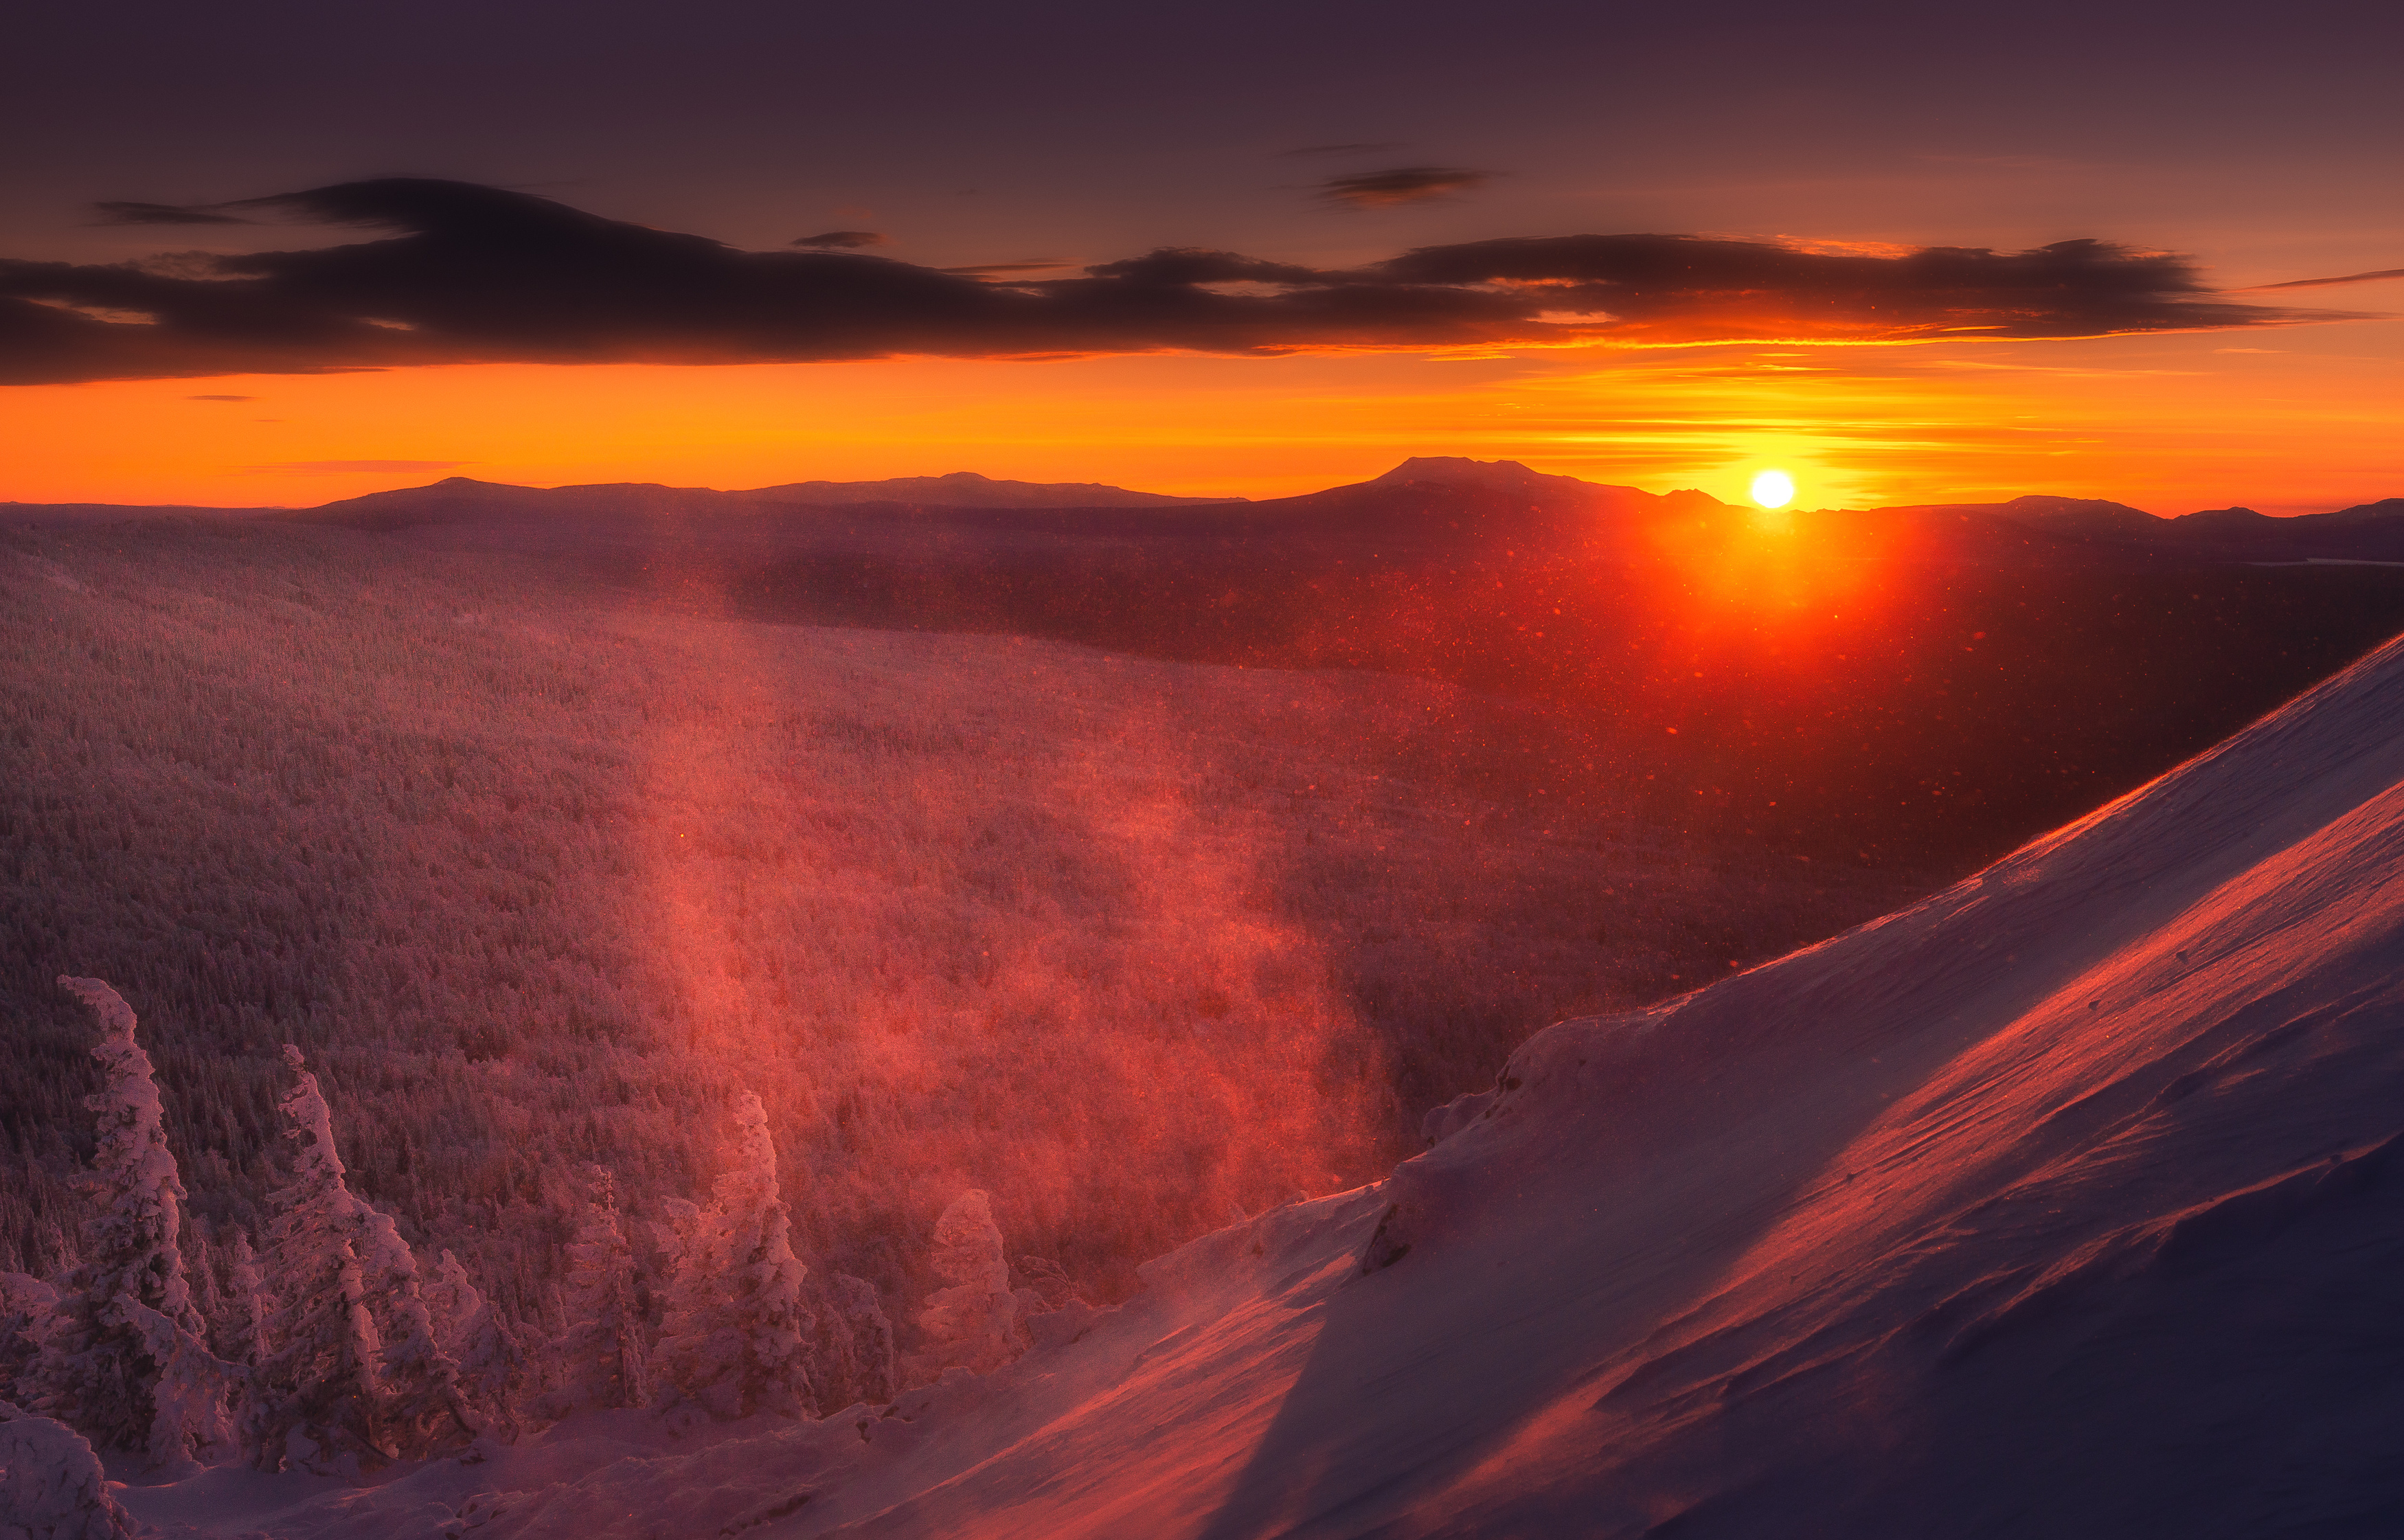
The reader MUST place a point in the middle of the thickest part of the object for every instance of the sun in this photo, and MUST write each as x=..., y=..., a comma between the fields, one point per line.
x=1773, y=489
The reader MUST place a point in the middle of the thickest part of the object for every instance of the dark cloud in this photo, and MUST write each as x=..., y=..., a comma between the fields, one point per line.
x=983, y=269
x=1341, y=149
x=220, y=398
x=1694, y=289
x=1195, y=265
x=842, y=240
x=1402, y=184
x=2324, y=283
x=164, y=214
x=476, y=275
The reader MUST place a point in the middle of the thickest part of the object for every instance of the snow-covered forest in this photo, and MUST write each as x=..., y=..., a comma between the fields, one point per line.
x=331, y=1347
x=2061, y=1201
x=587, y=909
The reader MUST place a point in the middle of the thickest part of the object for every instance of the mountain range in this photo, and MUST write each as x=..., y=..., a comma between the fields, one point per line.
x=1426, y=500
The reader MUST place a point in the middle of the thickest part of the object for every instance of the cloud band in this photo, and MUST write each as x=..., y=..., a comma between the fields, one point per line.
x=478, y=275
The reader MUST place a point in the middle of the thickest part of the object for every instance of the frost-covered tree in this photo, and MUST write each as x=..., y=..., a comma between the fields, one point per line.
x=851, y=1343
x=355, y=1375
x=189, y=1422
x=451, y=1297
x=736, y=1336
x=494, y=1367
x=424, y=1410
x=973, y=1324
x=26, y=1304
x=100, y=1364
x=492, y=1361
x=1047, y=1282
x=201, y=1272
x=602, y=1357
x=51, y=1486
x=242, y=1327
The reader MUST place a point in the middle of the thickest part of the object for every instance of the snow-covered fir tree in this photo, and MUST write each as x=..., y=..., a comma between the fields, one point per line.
x=735, y=1337
x=354, y=1376
x=974, y=1323
x=241, y=1326
x=190, y=1422
x=317, y=1393
x=200, y=1273
x=451, y=1297
x=602, y=1357
x=51, y=1484
x=102, y=1358
x=851, y=1343
x=26, y=1305
x=493, y=1364
x=424, y=1410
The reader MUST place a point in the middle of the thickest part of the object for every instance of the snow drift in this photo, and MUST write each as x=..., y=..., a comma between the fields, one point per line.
x=2066, y=1202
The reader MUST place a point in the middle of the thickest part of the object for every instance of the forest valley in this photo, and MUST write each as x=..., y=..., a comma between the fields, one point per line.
x=706, y=936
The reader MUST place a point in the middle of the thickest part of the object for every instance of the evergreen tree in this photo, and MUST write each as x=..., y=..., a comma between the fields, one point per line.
x=51, y=1486
x=973, y=1324
x=189, y=1421
x=450, y=1298
x=493, y=1367
x=200, y=1273
x=735, y=1339
x=316, y=1400
x=493, y=1364
x=99, y=1369
x=26, y=1306
x=852, y=1345
x=355, y=1375
x=243, y=1327
x=424, y=1410
x=601, y=1357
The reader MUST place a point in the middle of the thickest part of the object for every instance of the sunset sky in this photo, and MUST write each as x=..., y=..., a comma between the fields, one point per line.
x=1663, y=246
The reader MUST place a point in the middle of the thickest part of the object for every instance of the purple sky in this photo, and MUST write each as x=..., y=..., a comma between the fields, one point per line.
x=2269, y=141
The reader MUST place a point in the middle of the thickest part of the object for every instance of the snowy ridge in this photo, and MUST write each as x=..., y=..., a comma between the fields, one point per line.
x=2063, y=1203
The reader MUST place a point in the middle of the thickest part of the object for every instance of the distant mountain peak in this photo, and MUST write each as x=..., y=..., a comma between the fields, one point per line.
x=1495, y=475
x=968, y=489
x=2049, y=505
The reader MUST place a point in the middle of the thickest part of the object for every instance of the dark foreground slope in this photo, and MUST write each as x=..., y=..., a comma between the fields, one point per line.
x=2068, y=1202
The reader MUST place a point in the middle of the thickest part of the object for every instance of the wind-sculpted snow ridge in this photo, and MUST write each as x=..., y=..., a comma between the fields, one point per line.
x=2064, y=1203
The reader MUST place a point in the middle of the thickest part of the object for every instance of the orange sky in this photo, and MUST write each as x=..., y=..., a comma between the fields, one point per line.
x=2289, y=419
x=2263, y=151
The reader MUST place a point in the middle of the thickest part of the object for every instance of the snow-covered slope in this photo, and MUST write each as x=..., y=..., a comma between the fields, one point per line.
x=2065, y=1203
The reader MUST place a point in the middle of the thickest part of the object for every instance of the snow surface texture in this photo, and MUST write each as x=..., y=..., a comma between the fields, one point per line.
x=2064, y=1203
x=51, y=1486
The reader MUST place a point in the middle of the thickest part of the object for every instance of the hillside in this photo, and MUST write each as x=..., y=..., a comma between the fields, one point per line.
x=537, y=868
x=2063, y=1203
x=967, y=489
x=1917, y=686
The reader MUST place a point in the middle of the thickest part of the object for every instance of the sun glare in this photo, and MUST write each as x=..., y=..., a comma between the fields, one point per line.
x=1773, y=489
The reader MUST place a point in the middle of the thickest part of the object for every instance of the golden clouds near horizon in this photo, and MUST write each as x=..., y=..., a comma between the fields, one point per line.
x=2307, y=428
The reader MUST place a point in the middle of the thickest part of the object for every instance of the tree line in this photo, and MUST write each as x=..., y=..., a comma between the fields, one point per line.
x=327, y=1344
